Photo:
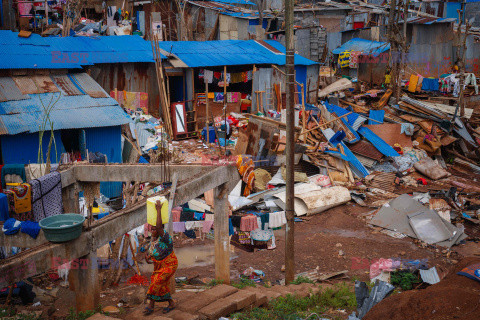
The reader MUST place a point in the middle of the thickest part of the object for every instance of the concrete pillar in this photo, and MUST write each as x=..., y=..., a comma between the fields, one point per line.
x=222, y=240
x=84, y=280
x=70, y=196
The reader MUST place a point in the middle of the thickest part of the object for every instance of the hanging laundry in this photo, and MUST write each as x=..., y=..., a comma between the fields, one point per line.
x=208, y=76
x=201, y=73
x=344, y=59
x=4, y=211
x=207, y=226
x=13, y=169
x=470, y=79
x=179, y=227
x=189, y=225
x=419, y=84
x=47, y=196
x=218, y=97
x=430, y=84
x=20, y=202
x=209, y=217
x=217, y=75
x=248, y=223
x=243, y=237
x=261, y=235
x=232, y=97
x=198, y=224
x=176, y=213
x=277, y=219
x=354, y=57
x=236, y=221
x=412, y=86
x=245, y=168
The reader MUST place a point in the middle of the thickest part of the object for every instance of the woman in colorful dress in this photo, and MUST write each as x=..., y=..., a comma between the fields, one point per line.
x=165, y=263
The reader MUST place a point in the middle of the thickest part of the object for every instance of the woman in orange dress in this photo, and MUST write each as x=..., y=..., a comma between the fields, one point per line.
x=165, y=263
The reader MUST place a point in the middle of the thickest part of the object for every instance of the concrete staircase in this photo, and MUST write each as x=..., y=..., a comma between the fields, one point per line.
x=219, y=301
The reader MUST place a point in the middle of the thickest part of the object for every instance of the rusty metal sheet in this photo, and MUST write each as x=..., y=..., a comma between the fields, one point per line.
x=366, y=149
x=35, y=84
x=67, y=86
x=9, y=90
x=90, y=86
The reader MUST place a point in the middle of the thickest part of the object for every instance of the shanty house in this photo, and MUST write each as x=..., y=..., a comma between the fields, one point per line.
x=41, y=91
x=254, y=73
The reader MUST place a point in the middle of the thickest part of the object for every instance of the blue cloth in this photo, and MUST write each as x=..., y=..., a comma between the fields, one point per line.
x=429, y=84
x=142, y=160
x=11, y=226
x=231, y=231
x=18, y=169
x=31, y=228
x=198, y=215
x=4, y=207
x=211, y=134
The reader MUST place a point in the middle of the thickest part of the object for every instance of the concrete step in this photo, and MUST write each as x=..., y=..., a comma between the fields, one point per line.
x=261, y=298
x=181, y=315
x=197, y=302
x=221, y=291
x=219, y=308
x=183, y=295
x=243, y=299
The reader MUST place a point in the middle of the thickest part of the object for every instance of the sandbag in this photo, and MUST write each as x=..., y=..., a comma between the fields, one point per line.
x=431, y=169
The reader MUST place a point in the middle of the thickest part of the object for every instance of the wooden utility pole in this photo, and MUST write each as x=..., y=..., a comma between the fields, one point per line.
x=206, y=110
x=225, y=105
x=290, y=143
x=461, y=50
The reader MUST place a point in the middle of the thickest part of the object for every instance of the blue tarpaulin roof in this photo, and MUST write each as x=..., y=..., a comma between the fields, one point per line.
x=362, y=45
x=68, y=112
x=36, y=52
x=229, y=52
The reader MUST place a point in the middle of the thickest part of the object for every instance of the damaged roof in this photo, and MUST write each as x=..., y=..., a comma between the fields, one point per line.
x=36, y=52
x=364, y=46
x=196, y=54
x=76, y=103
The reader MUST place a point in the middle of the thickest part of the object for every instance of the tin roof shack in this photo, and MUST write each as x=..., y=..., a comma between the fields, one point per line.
x=370, y=65
x=249, y=66
x=84, y=117
x=124, y=63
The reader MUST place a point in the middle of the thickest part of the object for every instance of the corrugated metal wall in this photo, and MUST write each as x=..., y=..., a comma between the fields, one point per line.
x=107, y=140
x=23, y=148
x=134, y=77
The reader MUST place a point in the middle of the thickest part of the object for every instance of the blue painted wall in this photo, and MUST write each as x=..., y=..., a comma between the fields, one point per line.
x=452, y=8
x=23, y=148
x=107, y=140
x=301, y=77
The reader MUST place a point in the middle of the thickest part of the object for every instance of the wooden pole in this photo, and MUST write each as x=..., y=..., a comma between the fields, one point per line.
x=304, y=118
x=222, y=241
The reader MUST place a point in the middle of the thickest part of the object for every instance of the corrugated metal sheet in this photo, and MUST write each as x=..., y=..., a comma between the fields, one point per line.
x=9, y=90
x=68, y=112
x=365, y=46
x=35, y=84
x=66, y=85
x=38, y=52
x=228, y=52
x=90, y=86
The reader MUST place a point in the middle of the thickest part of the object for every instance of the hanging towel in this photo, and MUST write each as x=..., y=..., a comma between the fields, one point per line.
x=470, y=79
x=176, y=213
x=20, y=202
x=231, y=231
x=248, y=223
x=199, y=216
x=47, y=196
x=412, y=86
x=208, y=76
x=430, y=84
x=207, y=225
x=218, y=97
x=344, y=59
x=189, y=225
x=179, y=227
x=277, y=219
x=353, y=61
x=261, y=235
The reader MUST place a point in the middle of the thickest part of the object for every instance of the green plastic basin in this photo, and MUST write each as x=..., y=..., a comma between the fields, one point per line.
x=62, y=227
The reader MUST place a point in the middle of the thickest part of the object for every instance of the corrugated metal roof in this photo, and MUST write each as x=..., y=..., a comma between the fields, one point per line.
x=38, y=52
x=68, y=112
x=66, y=85
x=230, y=8
x=9, y=90
x=365, y=46
x=429, y=20
x=90, y=86
x=228, y=52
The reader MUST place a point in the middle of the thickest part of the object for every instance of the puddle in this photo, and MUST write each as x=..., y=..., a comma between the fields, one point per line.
x=196, y=256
